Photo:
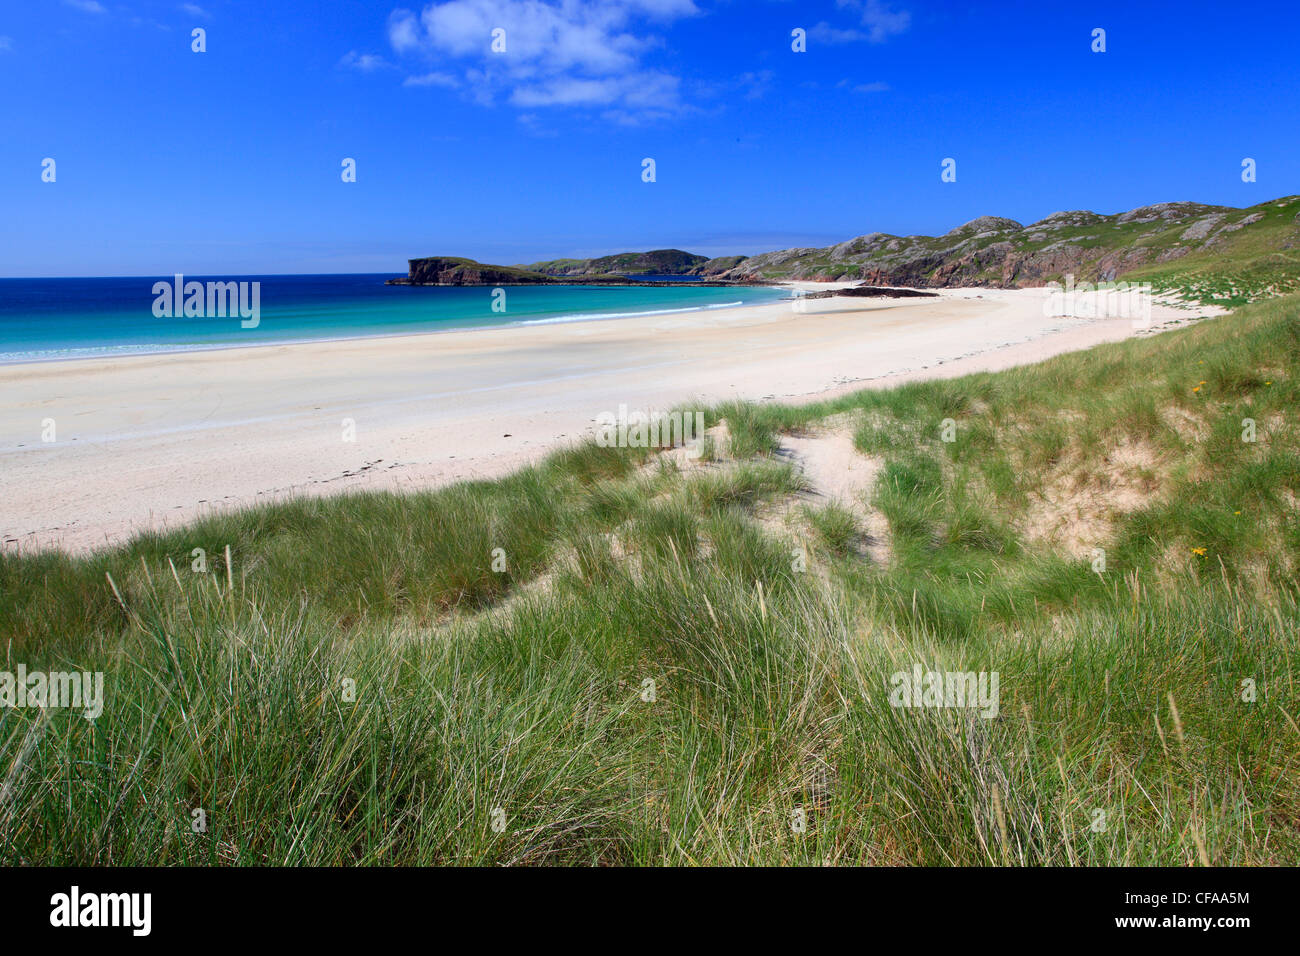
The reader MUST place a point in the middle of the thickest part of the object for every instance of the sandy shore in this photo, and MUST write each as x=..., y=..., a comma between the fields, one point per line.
x=152, y=441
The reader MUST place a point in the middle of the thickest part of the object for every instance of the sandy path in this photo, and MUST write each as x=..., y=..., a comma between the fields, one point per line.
x=156, y=440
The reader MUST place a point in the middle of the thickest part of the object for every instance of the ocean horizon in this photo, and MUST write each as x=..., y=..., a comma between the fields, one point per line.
x=53, y=319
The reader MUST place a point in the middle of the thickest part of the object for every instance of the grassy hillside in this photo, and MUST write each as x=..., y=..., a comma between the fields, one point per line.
x=658, y=262
x=770, y=622
x=456, y=270
x=1215, y=253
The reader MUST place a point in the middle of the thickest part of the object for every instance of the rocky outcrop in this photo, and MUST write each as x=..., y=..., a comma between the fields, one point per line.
x=871, y=292
x=715, y=267
x=451, y=270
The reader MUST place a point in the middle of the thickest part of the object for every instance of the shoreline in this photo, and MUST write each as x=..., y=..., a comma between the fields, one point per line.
x=155, y=441
x=154, y=350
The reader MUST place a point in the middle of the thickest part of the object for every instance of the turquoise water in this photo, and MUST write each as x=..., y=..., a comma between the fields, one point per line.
x=45, y=319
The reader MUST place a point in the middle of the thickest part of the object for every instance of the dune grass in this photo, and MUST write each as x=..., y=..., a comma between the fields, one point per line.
x=611, y=659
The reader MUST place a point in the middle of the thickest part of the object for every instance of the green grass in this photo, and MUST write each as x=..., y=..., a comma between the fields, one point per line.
x=836, y=528
x=652, y=679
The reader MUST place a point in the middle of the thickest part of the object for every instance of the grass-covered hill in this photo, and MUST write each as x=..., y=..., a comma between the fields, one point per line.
x=456, y=270
x=459, y=271
x=1213, y=253
x=673, y=660
x=657, y=262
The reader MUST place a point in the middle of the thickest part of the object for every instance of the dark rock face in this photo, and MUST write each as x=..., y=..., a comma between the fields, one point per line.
x=447, y=270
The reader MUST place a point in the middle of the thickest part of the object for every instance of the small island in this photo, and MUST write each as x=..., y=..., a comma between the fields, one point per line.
x=632, y=269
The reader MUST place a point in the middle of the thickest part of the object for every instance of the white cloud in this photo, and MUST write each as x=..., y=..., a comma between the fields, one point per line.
x=531, y=123
x=827, y=34
x=751, y=85
x=648, y=89
x=6, y=44
x=568, y=91
x=86, y=6
x=575, y=53
x=756, y=84
x=403, y=31
x=365, y=62
x=432, y=79
x=194, y=10
x=879, y=20
x=871, y=88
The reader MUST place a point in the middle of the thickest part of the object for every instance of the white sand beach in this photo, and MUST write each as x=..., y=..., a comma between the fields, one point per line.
x=157, y=440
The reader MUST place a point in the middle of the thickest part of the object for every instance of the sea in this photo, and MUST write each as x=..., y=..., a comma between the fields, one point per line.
x=68, y=318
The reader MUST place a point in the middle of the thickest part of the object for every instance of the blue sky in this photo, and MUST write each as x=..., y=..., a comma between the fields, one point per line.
x=229, y=161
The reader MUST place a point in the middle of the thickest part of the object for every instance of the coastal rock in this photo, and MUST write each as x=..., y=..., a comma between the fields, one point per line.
x=871, y=292
x=664, y=262
x=449, y=270
x=454, y=271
